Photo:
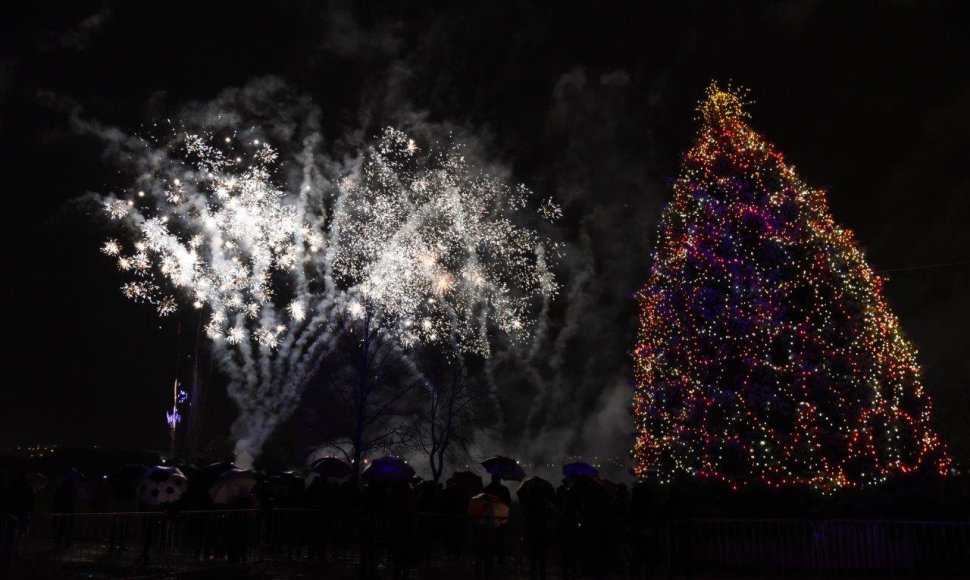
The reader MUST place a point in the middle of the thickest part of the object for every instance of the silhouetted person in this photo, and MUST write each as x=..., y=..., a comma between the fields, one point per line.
x=537, y=512
x=20, y=500
x=496, y=488
x=454, y=504
x=64, y=502
x=154, y=529
x=569, y=528
x=399, y=514
x=674, y=508
x=429, y=524
x=17, y=499
x=614, y=526
x=370, y=502
x=485, y=538
x=644, y=534
x=323, y=497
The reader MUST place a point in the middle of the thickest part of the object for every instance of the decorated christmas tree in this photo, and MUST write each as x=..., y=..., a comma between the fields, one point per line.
x=766, y=351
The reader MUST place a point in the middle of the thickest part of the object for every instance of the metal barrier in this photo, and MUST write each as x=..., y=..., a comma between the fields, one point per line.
x=9, y=543
x=113, y=542
x=869, y=546
x=452, y=544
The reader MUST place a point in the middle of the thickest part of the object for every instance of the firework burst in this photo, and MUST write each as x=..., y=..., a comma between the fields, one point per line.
x=430, y=239
x=421, y=243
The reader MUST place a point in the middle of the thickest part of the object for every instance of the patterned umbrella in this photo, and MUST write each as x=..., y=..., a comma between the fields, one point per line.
x=161, y=485
x=388, y=470
x=579, y=468
x=488, y=510
x=504, y=468
x=232, y=486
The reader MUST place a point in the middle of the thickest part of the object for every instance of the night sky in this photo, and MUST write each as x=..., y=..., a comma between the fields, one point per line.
x=589, y=103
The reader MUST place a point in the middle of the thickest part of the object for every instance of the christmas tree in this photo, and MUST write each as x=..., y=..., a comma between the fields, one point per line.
x=766, y=351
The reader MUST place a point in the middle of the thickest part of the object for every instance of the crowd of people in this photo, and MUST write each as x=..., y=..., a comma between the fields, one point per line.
x=582, y=525
x=405, y=523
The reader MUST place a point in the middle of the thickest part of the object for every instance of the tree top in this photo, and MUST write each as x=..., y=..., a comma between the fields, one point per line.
x=723, y=105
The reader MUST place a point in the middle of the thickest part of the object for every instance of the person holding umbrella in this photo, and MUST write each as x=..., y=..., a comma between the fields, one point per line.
x=501, y=467
x=537, y=497
x=159, y=490
x=233, y=489
x=460, y=487
x=388, y=499
x=492, y=539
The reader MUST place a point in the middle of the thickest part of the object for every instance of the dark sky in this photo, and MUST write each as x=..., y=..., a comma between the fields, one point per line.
x=589, y=103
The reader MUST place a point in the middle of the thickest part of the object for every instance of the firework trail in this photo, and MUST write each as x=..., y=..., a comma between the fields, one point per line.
x=424, y=245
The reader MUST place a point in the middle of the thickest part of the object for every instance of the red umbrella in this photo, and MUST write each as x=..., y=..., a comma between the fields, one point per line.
x=488, y=510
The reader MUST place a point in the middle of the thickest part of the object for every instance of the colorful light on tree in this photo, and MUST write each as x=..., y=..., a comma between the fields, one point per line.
x=766, y=352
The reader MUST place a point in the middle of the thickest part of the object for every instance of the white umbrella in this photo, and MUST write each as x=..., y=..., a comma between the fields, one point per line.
x=162, y=485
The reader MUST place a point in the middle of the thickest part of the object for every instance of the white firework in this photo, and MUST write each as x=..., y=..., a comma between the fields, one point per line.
x=433, y=250
x=431, y=238
x=111, y=248
x=219, y=232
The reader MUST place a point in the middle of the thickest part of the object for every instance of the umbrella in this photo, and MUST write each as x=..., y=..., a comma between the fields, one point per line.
x=214, y=470
x=504, y=468
x=37, y=481
x=284, y=484
x=579, y=468
x=332, y=467
x=232, y=486
x=191, y=471
x=607, y=484
x=469, y=482
x=488, y=510
x=71, y=477
x=388, y=470
x=160, y=485
x=535, y=487
x=70, y=474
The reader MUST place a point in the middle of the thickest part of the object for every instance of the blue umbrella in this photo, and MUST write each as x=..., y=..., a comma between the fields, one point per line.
x=579, y=468
x=388, y=470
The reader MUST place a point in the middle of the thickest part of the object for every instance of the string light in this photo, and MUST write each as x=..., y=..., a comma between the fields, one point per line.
x=766, y=352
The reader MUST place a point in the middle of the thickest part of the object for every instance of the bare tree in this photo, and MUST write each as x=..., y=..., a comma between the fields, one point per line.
x=369, y=380
x=447, y=412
